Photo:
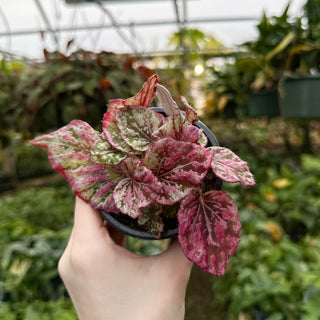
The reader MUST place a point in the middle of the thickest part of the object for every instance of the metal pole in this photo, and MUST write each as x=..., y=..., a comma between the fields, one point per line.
x=46, y=20
x=136, y=24
x=116, y=26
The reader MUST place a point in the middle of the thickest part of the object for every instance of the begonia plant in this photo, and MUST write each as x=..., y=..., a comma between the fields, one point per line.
x=144, y=162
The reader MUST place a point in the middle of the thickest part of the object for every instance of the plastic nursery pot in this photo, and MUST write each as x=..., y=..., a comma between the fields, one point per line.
x=263, y=104
x=300, y=97
x=130, y=227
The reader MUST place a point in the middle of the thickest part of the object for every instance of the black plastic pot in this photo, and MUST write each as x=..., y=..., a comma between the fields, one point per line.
x=130, y=227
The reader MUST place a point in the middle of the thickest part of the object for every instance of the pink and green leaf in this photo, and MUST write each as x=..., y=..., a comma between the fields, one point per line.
x=91, y=184
x=179, y=166
x=151, y=220
x=166, y=102
x=103, y=152
x=69, y=152
x=209, y=229
x=191, y=114
x=138, y=188
x=113, y=134
x=229, y=167
x=176, y=127
x=143, y=98
x=69, y=148
x=137, y=124
x=203, y=140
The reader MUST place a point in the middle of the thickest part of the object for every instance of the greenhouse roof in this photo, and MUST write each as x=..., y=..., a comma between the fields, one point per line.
x=29, y=26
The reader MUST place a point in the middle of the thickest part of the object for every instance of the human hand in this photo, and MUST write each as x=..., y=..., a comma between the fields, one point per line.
x=105, y=281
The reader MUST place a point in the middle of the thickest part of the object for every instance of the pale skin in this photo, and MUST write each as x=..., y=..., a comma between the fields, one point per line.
x=105, y=281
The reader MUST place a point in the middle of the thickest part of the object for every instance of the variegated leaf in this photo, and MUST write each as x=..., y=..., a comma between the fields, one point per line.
x=69, y=151
x=92, y=185
x=209, y=229
x=229, y=167
x=179, y=166
x=203, y=140
x=143, y=98
x=176, y=127
x=137, y=124
x=103, y=152
x=151, y=220
x=113, y=134
x=69, y=147
x=138, y=188
x=191, y=114
x=165, y=99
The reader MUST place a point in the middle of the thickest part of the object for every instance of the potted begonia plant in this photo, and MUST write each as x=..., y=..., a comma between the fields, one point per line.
x=149, y=166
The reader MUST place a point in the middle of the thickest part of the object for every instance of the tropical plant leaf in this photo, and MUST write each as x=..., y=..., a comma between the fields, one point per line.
x=137, y=189
x=69, y=148
x=178, y=128
x=191, y=114
x=137, y=124
x=203, y=140
x=229, y=167
x=113, y=133
x=209, y=229
x=151, y=220
x=165, y=99
x=143, y=98
x=103, y=152
x=92, y=185
x=179, y=166
x=69, y=152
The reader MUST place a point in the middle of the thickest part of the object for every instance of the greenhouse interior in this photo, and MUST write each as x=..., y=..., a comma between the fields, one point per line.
x=78, y=76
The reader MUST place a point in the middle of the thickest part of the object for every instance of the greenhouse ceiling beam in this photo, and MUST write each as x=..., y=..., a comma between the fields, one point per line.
x=181, y=22
x=128, y=25
x=47, y=22
x=116, y=26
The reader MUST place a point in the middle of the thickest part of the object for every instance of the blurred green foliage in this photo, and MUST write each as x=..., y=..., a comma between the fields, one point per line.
x=285, y=45
x=274, y=272
x=73, y=87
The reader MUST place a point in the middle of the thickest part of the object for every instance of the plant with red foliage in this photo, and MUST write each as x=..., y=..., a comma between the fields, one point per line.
x=144, y=162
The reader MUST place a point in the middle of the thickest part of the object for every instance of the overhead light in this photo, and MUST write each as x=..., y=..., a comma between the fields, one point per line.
x=198, y=69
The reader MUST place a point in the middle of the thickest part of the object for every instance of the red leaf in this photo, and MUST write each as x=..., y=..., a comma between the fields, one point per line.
x=136, y=189
x=209, y=229
x=143, y=98
x=229, y=167
x=191, y=114
x=178, y=128
x=69, y=148
x=69, y=152
x=179, y=166
x=105, y=83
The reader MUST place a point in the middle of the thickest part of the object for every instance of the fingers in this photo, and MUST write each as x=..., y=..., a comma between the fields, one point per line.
x=90, y=226
x=88, y=223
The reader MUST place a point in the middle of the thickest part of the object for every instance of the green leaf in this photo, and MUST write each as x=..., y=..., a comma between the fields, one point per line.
x=137, y=125
x=151, y=220
x=103, y=152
